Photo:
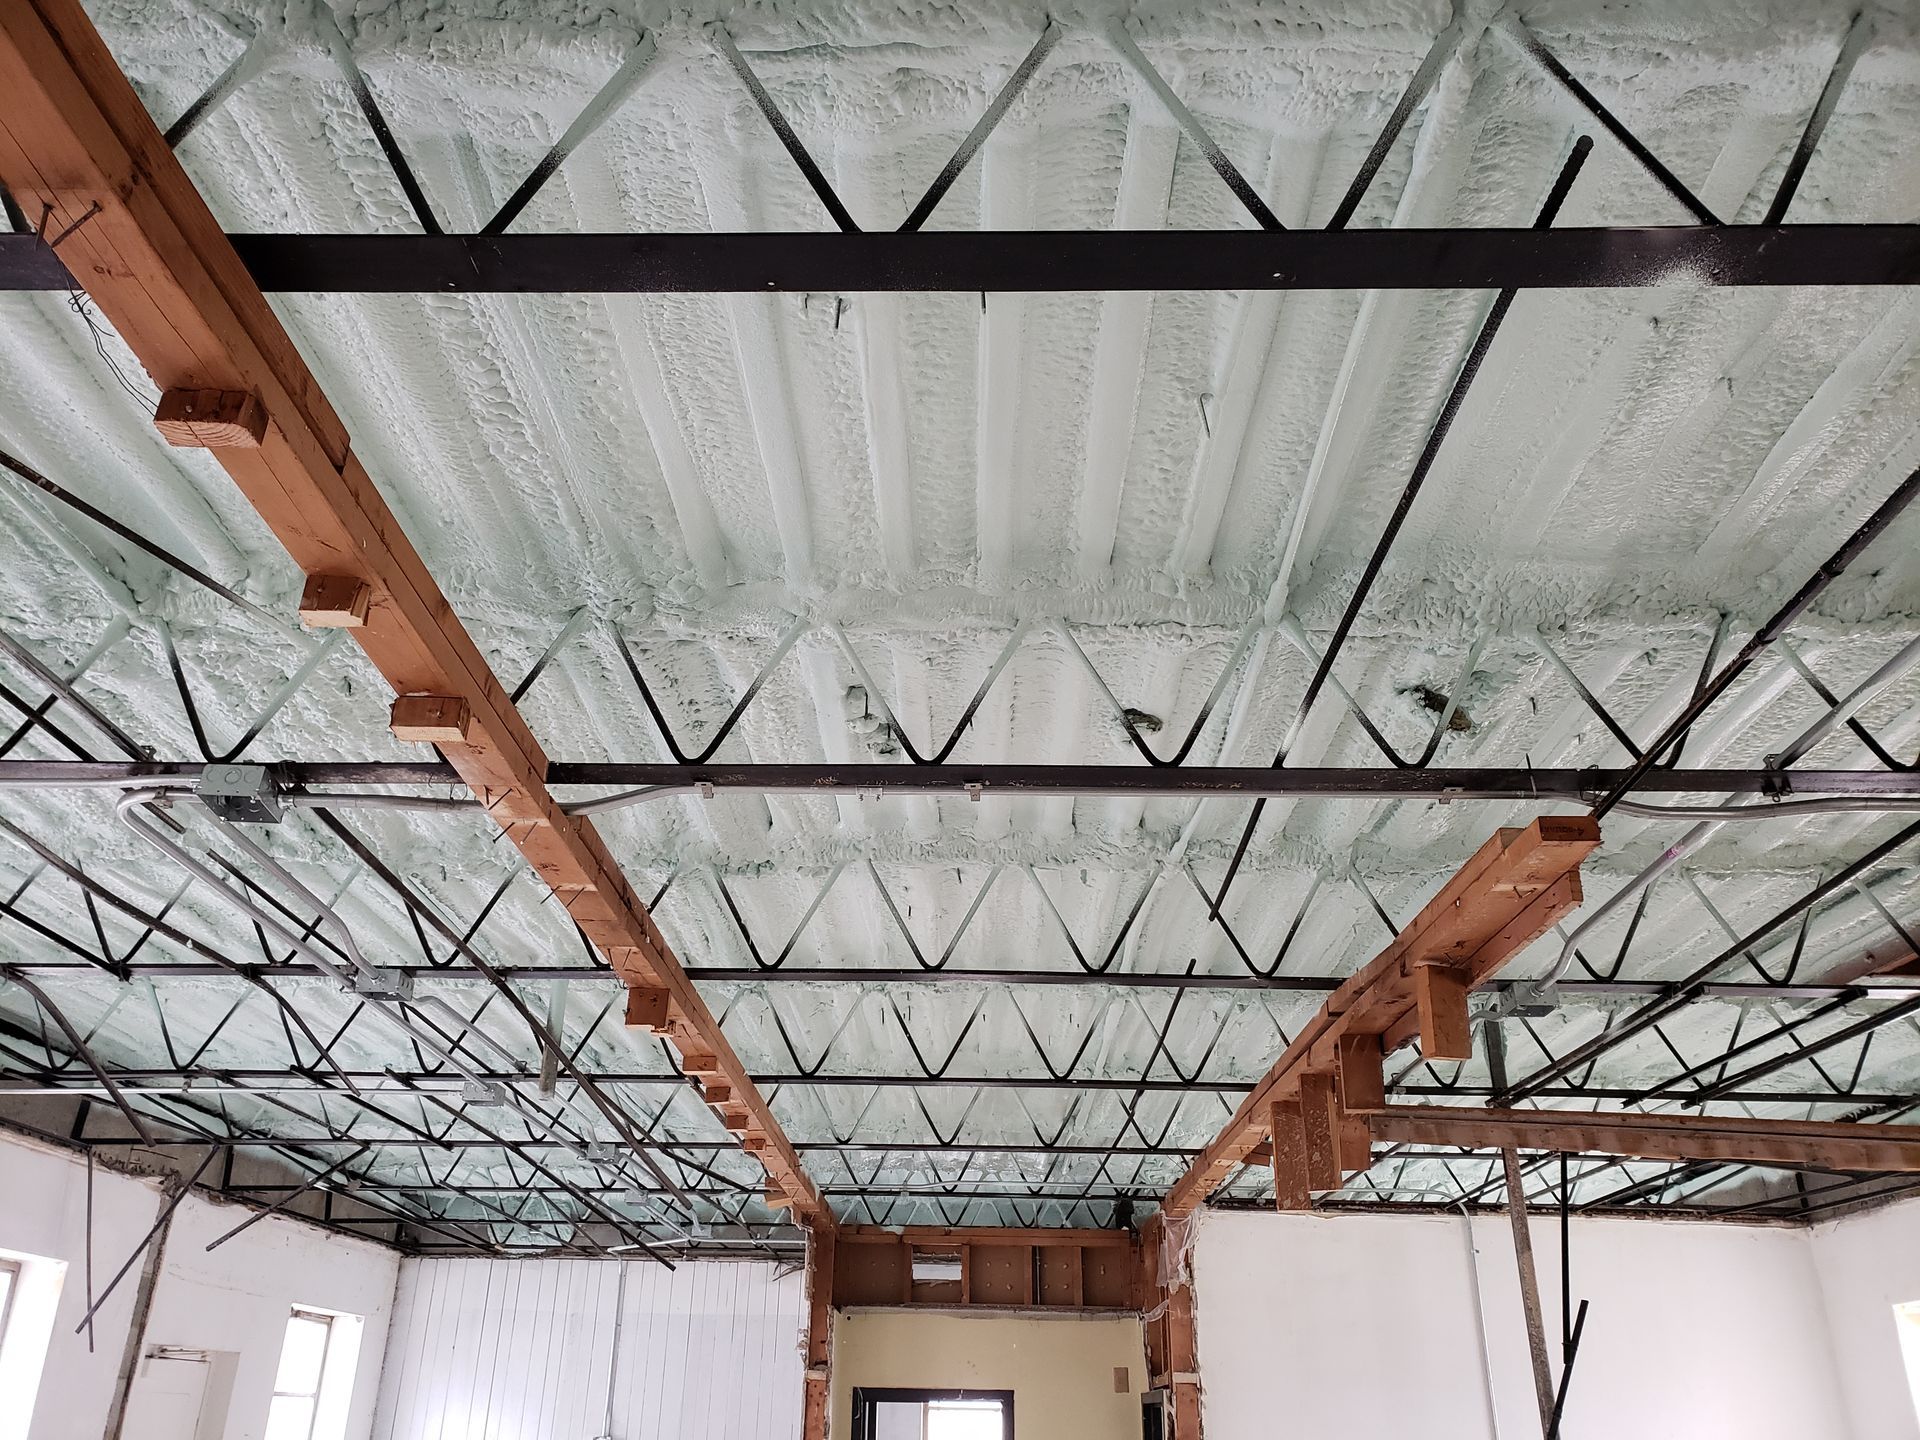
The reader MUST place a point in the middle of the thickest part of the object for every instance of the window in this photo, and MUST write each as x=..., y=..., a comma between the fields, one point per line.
x=315, y=1378
x=965, y=1420
x=898, y=1414
x=29, y=1293
x=1907, y=1318
x=9, y=1282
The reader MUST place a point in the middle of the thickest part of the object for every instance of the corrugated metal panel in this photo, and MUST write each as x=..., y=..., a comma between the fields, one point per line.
x=574, y=1349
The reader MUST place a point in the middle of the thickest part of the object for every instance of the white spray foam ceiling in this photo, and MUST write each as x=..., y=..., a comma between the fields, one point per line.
x=1172, y=483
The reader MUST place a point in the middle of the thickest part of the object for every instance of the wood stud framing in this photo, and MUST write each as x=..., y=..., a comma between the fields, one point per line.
x=78, y=148
x=1173, y=1359
x=1005, y=1268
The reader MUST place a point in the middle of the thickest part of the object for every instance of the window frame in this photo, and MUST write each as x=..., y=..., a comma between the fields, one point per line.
x=15, y=1272
x=866, y=1397
x=312, y=1397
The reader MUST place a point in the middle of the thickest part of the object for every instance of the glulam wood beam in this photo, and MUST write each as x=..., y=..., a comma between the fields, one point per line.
x=84, y=161
x=1513, y=889
x=1812, y=1145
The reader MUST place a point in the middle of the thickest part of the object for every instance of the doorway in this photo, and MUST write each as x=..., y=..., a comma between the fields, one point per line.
x=180, y=1393
x=883, y=1413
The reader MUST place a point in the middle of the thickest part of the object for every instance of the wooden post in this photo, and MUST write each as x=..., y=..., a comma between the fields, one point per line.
x=1529, y=1290
x=818, y=1391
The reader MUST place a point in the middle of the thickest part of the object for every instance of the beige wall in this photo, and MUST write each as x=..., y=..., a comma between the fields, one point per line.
x=1060, y=1368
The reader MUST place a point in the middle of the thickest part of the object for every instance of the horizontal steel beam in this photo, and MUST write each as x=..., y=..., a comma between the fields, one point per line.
x=1867, y=988
x=843, y=1147
x=1054, y=260
x=137, y=1079
x=1246, y=782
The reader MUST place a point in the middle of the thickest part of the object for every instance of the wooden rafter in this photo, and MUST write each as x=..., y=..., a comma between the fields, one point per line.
x=1515, y=887
x=87, y=165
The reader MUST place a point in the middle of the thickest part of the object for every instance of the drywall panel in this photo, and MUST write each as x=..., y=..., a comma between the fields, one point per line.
x=1867, y=1264
x=235, y=1298
x=1315, y=1325
x=567, y=1349
x=1059, y=1367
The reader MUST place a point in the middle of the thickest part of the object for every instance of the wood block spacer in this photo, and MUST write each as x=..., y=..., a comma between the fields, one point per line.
x=431, y=719
x=646, y=1009
x=211, y=419
x=335, y=602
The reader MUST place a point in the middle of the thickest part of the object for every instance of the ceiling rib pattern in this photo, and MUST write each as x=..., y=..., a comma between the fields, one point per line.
x=852, y=530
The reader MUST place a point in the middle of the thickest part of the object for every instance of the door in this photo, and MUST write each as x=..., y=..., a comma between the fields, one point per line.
x=165, y=1401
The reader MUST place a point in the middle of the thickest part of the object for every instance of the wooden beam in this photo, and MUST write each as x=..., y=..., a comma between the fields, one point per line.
x=1809, y=1144
x=1512, y=890
x=80, y=155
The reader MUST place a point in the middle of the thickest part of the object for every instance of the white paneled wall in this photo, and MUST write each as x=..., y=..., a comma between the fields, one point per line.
x=527, y=1350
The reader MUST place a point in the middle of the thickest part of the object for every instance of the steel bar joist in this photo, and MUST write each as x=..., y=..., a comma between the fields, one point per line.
x=487, y=1128
x=77, y=147
x=637, y=782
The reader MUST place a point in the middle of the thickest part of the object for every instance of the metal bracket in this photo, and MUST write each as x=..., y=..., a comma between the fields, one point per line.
x=485, y=1094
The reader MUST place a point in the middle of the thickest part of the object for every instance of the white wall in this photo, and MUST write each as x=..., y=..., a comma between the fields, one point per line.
x=235, y=1299
x=525, y=1350
x=1366, y=1326
x=1868, y=1264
